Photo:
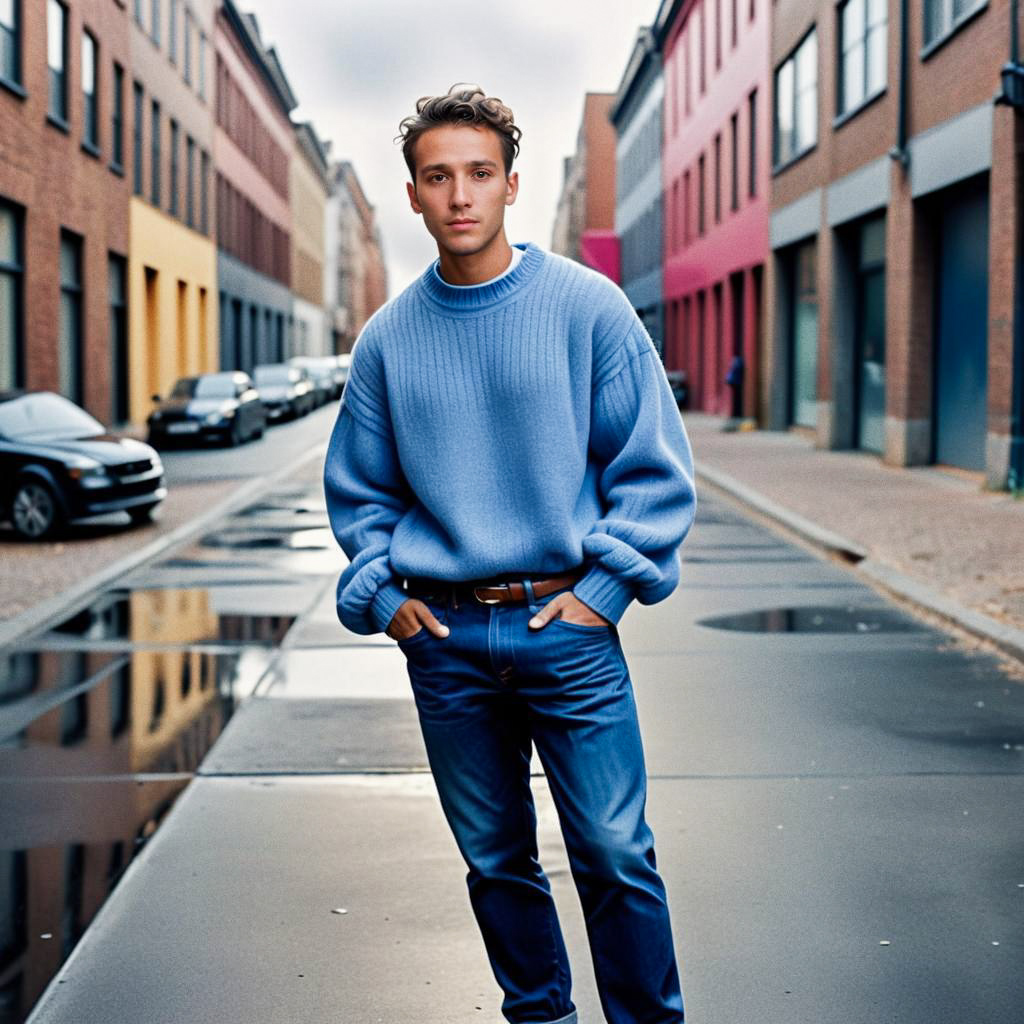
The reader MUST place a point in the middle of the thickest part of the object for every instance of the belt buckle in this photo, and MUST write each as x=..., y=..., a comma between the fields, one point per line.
x=490, y=600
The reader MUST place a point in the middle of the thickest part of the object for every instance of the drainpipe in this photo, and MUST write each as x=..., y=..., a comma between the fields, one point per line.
x=1012, y=80
x=899, y=151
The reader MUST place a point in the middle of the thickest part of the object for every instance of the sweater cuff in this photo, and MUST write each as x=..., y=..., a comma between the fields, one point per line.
x=388, y=599
x=604, y=593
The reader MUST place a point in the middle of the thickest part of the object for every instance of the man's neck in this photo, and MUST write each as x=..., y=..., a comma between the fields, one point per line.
x=477, y=267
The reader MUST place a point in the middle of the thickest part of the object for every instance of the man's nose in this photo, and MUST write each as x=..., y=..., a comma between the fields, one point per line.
x=460, y=194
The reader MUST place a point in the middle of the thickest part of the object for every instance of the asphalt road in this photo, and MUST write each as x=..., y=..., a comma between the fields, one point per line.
x=835, y=791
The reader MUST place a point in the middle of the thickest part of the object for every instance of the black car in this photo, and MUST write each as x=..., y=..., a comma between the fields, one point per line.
x=323, y=372
x=211, y=407
x=58, y=464
x=286, y=391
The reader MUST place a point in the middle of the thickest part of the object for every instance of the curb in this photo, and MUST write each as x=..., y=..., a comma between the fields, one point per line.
x=53, y=608
x=1009, y=639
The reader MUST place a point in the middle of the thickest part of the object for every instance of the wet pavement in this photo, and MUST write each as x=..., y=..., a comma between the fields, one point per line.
x=835, y=790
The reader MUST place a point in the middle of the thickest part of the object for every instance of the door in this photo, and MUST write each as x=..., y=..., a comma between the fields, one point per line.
x=869, y=359
x=961, y=334
x=804, y=362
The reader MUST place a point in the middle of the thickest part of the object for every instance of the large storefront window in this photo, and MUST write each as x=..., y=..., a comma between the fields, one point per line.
x=870, y=335
x=69, y=328
x=804, y=384
x=11, y=274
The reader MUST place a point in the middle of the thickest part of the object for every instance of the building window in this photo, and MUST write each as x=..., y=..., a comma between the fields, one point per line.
x=942, y=17
x=10, y=41
x=718, y=177
x=154, y=27
x=718, y=34
x=90, y=91
x=752, y=142
x=700, y=194
x=117, y=119
x=734, y=161
x=154, y=153
x=188, y=46
x=796, y=101
x=69, y=329
x=190, y=182
x=117, y=276
x=57, y=59
x=11, y=275
x=140, y=15
x=173, y=205
x=686, y=208
x=138, y=114
x=862, y=35
x=703, y=47
x=204, y=192
x=172, y=33
x=734, y=17
x=202, y=65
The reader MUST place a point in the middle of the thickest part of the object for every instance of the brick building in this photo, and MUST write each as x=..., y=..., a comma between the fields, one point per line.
x=895, y=227
x=64, y=237
x=637, y=117
x=254, y=140
x=172, y=258
x=715, y=180
x=584, y=227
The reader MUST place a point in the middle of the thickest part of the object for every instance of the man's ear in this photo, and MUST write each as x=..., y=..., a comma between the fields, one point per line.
x=413, y=200
x=511, y=188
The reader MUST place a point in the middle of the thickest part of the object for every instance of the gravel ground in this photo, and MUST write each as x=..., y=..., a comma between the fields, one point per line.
x=939, y=526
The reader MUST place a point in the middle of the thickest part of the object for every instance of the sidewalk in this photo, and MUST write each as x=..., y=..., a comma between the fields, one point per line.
x=929, y=535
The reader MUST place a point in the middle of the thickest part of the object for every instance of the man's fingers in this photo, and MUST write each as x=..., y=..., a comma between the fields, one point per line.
x=547, y=613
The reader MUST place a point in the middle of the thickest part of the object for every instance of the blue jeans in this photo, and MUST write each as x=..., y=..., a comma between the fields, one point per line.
x=484, y=693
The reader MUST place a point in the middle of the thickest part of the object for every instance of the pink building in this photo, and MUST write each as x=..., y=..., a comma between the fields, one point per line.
x=716, y=177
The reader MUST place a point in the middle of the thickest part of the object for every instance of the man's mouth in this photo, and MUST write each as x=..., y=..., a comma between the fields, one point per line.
x=461, y=223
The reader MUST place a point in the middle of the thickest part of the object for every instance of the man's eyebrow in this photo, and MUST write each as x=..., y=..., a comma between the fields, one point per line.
x=470, y=163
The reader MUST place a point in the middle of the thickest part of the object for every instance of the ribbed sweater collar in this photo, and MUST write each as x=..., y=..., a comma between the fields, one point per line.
x=475, y=300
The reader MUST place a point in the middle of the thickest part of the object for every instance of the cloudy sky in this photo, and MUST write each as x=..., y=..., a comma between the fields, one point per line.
x=357, y=68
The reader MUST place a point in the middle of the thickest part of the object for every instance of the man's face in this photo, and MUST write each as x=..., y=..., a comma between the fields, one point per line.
x=461, y=189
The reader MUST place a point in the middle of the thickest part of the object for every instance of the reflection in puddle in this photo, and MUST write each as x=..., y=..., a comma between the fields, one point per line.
x=180, y=616
x=319, y=538
x=816, y=619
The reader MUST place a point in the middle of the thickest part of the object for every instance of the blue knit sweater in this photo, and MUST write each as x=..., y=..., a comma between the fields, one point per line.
x=525, y=426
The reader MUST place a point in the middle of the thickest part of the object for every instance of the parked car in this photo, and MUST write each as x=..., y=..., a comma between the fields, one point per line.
x=677, y=381
x=323, y=371
x=286, y=391
x=344, y=362
x=211, y=407
x=58, y=464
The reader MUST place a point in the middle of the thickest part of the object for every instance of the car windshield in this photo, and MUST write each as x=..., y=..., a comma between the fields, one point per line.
x=45, y=416
x=274, y=374
x=184, y=388
x=215, y=386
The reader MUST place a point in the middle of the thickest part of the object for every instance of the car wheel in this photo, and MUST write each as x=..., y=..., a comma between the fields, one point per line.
x=34, y=510
x=142, y=514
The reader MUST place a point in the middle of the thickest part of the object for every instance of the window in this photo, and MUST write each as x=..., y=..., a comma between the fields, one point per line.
x=942, y=17
x=703, y=48
x=154, y=25
x=752, y=142
x=734, y=17
x=796, y=101
x=686, y=208
x=700, y=195
x=11, y=274
x=172, y=33
x=673, y=219
x=90, y=94
x=154, y=153
x=718, y=34
x=862, y=37
x=718, y=177
x=140, y=16
x=69, y=328
x=190, y=182
x=57, y=59
x=188, y=46
x=117, y=119
x=202, y=65
x=117, y=276
x=10, y=41
x=174, y=144
x=204, y=193
x=734, y=154
x=139, y=113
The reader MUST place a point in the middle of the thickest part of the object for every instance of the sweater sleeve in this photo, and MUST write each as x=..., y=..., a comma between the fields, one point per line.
x=367, y=495
x=646, y=484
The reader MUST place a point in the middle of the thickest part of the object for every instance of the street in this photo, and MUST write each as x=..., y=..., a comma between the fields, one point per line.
x=833, y=791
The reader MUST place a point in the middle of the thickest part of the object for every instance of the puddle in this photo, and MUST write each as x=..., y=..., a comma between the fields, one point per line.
x=186, y=616
x=816, y=619
x=319, y=538
x=742, y=559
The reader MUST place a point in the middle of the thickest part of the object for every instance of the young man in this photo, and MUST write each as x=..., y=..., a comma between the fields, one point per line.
x=507, y=473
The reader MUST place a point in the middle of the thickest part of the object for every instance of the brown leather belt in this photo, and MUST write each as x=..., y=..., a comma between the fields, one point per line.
x=488, y=591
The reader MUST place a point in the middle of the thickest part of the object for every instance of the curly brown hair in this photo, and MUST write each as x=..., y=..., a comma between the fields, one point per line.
x=463, y=104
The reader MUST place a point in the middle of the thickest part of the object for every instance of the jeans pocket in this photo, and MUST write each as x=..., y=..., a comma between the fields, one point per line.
x=599, y=627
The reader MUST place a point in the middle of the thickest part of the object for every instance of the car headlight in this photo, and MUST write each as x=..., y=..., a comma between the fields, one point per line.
x=82, y=468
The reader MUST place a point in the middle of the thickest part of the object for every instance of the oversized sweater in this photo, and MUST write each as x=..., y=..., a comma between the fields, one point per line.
x=524, y=427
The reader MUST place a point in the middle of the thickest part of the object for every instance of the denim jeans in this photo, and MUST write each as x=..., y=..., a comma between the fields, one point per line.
x=486, y=692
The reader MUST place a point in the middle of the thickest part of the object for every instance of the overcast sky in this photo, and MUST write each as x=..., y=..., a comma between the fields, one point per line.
x=357, y=68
